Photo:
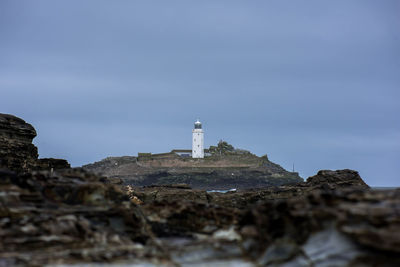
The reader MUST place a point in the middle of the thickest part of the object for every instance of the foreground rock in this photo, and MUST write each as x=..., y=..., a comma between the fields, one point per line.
x=16, y=149
x=325, y=179
x=322, y=228
x=326, y=228
x=66, y=217
x=73, y=217
x=51, y=164
x=17, y=152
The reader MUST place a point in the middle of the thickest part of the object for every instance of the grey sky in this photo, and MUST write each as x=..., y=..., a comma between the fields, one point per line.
x=310, y=82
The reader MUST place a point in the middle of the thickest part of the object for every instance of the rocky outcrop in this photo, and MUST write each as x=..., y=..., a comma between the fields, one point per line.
x=17, y=152
x=52, y=164
x=337, y=179
x=16, y=149
x=66, y=216
x=327, y=180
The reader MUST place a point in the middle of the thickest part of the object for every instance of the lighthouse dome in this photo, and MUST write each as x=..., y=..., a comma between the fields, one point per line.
x=197, y=125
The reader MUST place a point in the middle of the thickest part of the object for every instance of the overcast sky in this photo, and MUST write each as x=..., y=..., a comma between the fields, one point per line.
x=314, y=83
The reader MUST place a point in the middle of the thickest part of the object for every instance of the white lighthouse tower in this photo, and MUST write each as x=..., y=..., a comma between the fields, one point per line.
x=197, y=141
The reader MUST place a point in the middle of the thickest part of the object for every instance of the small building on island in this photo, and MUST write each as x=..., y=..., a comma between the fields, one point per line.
x=197, y=151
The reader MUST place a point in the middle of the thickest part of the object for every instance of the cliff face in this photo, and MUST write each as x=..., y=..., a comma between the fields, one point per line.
x=16, y=149
x=17, y=153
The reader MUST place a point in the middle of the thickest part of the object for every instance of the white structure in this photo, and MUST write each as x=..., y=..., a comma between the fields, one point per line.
x=197, y=141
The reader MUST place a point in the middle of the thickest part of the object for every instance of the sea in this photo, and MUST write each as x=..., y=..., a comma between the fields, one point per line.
x=234, y=189
x=222, y=191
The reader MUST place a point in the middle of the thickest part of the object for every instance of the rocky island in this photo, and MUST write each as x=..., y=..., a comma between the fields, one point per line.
x=224, y=168
x=54, y=215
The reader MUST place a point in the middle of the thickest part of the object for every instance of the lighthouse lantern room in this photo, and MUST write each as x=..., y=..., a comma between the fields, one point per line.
x=197, y=141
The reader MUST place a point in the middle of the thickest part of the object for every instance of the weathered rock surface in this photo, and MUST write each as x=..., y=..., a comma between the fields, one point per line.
x=336, y=179
x=17, y=152
x=323, y=227
x=64, y=217
x=51, y=163
x=16, y=149
x=327, y=180
x=326, y=228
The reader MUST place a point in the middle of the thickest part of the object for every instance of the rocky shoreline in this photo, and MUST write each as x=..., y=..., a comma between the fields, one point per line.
x=61, y=216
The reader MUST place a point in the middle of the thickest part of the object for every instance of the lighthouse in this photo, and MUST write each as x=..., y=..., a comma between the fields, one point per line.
x=197, y=141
